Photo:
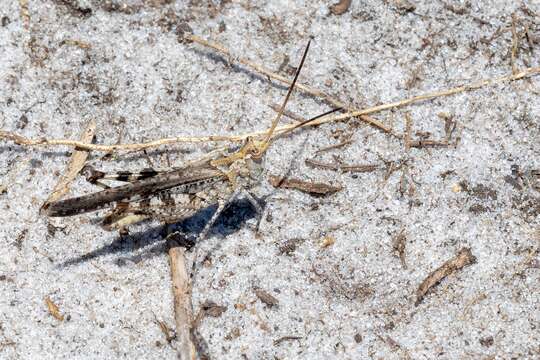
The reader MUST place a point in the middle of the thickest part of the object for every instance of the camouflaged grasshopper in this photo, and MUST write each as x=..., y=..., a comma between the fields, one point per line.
x=176, y=194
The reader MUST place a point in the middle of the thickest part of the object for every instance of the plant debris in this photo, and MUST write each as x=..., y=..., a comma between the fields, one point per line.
x=341, y=7
x=398, y=244
x=463, y=258
x=286, y=338
x=53, y=309
x=265, y=297
x=212, y=309
x=327, y=241
x=167, y=332
x=78, y=158
x=362, y=168
x=304, y=186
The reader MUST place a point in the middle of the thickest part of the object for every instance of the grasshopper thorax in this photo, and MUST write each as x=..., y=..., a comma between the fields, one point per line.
x=244, y=167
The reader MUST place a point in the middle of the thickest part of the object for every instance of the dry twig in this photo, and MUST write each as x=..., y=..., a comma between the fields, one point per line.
x=266, y=297
x=182, y=303
x=21, y=140
x=463, y=258
x=78, y=158
x=515, y=44
x=341, y=167
x=304, y=186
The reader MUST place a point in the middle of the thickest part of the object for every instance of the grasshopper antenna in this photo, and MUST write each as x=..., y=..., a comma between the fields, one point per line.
x=266, y=141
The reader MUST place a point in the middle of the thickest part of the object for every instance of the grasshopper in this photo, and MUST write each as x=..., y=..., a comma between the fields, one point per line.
x=176, y=194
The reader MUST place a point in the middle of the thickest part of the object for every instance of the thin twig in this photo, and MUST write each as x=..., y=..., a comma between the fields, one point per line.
x=78, y=158
x=304, y=186
x=342, y=167
x=463, y=258
x=515, y=43
x=428, y=143
x=21, y=140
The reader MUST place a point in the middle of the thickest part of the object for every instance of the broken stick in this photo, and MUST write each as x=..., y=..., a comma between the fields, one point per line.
x=463, y=258
x=78, y=158
x=182, y=301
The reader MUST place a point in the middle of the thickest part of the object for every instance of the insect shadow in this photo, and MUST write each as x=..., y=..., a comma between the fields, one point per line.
x=250, y=73
x=229, y=222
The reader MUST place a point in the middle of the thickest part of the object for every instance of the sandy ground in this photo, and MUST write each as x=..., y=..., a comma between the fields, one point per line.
x=65, y=62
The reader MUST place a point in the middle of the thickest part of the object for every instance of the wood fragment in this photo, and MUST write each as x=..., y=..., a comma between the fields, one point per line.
x=78, y=159
x=359, y=168
x=286, y=338
x=463, y=258
x=266, y=297
x=304, y=186
x=53, y=309
x=515, y=45
x=398, y=244
x=342, y=167
x=21, y=140
x=341, y=7
x=428, y=143
x=182, y=302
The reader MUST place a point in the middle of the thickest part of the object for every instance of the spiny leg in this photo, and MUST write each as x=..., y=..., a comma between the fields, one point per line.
x=222, y=205
x=256, y=205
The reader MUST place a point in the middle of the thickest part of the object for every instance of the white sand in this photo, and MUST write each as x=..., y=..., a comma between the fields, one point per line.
x=350, y=300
